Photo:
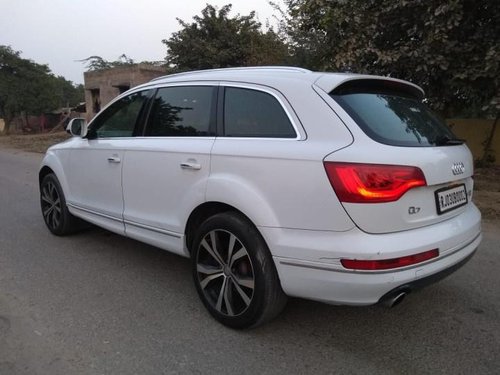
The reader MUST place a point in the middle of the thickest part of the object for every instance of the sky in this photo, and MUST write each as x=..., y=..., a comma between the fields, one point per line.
x=61, y=32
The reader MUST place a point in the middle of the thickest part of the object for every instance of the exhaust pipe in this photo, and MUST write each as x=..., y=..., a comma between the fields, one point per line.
x=395, y=299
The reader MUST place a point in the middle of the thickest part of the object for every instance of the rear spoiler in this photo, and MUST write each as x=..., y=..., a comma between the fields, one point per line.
x=331, y=84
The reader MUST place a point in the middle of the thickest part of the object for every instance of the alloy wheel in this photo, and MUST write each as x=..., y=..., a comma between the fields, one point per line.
x=225, y=272
x=51, y=205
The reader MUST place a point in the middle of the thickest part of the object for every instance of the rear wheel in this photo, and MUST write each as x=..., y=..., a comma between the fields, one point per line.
x=54, y=210
x=234, y=272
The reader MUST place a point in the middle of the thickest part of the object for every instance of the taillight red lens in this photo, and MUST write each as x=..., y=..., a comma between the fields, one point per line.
x=372, y=183
x=384, y=264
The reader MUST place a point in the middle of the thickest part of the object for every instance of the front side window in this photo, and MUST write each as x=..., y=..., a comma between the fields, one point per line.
x=119, y=119
x=252, y=113
x=182, y=111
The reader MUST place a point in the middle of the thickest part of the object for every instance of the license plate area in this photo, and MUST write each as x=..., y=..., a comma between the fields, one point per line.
x=450, y=198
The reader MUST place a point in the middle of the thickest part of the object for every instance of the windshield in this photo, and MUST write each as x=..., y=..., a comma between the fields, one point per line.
x=396, y=119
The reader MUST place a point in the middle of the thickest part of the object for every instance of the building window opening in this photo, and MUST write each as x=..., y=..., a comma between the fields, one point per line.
x=123, y=88
x=96, y=100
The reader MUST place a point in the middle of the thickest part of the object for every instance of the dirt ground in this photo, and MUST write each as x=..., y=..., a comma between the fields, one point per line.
x=486, y=180
x=487, y=192
x=33, y=142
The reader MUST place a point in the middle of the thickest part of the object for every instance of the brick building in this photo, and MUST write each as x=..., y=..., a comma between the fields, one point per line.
x=101, y=86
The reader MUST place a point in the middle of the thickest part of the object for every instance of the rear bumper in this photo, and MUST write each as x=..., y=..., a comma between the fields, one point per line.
x=428, y=280
x=308, y=262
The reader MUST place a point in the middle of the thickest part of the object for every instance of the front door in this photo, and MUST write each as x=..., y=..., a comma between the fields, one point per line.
x=95, y=178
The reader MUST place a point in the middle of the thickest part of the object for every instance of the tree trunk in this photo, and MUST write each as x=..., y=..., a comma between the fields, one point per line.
x=487, y=144
x=8, y=121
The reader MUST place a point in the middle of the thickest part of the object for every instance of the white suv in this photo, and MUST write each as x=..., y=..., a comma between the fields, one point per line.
x=275, y=181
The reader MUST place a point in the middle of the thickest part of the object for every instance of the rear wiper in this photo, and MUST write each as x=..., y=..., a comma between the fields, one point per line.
x=446, y=141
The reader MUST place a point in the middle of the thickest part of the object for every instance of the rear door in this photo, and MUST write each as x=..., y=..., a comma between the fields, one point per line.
x=165, y=172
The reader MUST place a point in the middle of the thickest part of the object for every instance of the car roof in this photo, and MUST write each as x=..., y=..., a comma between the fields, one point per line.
x=275, y=76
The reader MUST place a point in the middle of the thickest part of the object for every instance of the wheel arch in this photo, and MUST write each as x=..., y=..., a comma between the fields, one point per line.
x=52, y=164
x=228, y=193
x=245, y=195
x=44, y=171
x=203, y=212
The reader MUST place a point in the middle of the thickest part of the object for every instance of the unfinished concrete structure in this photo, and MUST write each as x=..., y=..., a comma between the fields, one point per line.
x=101, y=86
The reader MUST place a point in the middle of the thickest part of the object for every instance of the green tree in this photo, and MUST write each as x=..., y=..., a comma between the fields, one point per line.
x=28, y=87
x=98, y=63
x=216, y=40
x=451, y=49
x=66, y=93
x=94, y=63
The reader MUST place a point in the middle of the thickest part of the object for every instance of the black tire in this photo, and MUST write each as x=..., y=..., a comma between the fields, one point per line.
x=236, y=279
x=54, y=210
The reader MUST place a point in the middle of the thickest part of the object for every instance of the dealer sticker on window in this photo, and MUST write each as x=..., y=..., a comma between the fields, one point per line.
x=448, y=199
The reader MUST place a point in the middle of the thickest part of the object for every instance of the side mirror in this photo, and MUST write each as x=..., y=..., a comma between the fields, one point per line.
x=77, y=127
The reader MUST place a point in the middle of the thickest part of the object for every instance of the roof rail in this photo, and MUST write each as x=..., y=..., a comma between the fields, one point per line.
x=246, y=68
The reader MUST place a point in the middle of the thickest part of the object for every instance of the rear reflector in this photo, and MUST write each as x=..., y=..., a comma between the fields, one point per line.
x=385, y=264
x=372, y=183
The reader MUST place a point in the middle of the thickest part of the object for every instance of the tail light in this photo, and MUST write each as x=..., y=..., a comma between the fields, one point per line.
x=385, y=264
x=372, y=183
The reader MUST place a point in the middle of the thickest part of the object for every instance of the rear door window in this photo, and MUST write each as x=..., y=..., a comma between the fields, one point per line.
x=253, y=113
x=182, y=111
x=393, y=116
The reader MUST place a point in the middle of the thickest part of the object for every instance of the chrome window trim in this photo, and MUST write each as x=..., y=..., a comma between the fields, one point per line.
x=300, y=135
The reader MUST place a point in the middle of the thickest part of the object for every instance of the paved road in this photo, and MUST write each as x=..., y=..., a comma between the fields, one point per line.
x=97, y=303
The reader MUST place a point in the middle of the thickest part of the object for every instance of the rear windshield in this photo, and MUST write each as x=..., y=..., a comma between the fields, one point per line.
x=395, y=118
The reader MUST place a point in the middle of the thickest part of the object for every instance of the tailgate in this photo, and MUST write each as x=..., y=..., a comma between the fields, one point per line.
x=448, y=191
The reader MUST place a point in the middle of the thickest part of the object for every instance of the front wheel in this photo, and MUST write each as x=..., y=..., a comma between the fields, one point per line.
x=234, y=272
x=54, y=210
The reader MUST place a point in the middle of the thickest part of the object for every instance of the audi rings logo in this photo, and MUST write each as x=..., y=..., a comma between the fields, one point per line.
x=458, y=168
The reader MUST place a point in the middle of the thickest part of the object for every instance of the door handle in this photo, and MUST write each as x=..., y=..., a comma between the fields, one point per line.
x=190, y=165
x=114, y=159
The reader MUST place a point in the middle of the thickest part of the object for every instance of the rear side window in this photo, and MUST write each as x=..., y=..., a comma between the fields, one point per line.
x=182, y=111
x=252, y=113
x=394, y=117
